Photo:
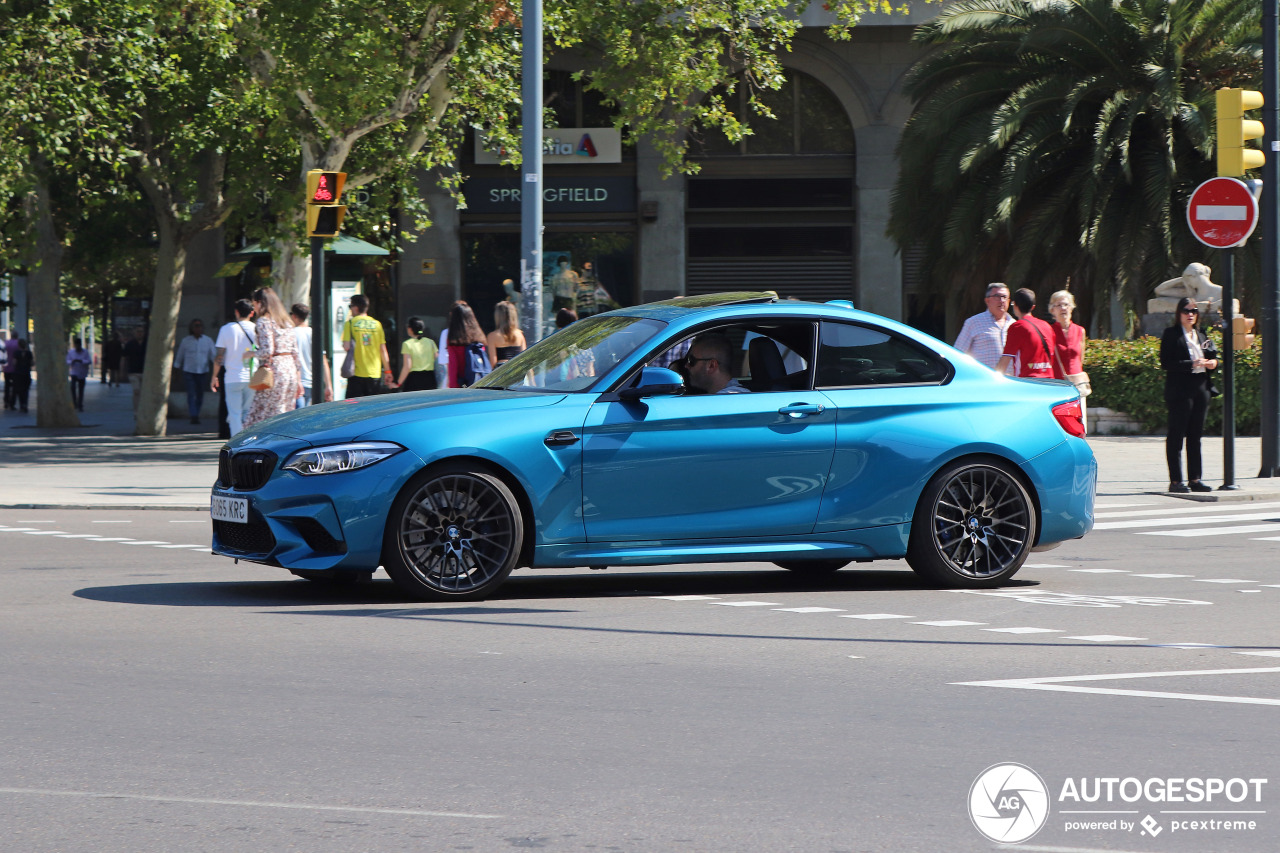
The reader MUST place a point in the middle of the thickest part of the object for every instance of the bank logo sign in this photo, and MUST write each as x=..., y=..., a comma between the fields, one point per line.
x=1008, y=803
x=563, y=145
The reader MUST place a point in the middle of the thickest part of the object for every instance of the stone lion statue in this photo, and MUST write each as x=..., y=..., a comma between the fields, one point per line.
x=1193, y=282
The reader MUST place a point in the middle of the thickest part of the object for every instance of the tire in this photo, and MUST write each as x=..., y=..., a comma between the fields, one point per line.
x=812, y=568
x=454, y=534
x=973, y=528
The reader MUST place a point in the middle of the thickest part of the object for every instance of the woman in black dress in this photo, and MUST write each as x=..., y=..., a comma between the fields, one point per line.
x=1187, y=357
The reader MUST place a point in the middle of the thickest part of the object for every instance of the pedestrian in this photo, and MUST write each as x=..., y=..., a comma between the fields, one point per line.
x=135, y=359
x=417, y=359
x=1069, y=342
x=23, y=362
x=79, y=363
x=112, y=352
x=442, y=356
x=299, y=314
x=1027, y=341
x=983, y=335
x=194, y=358
x=278, y=350
x=10, y=365
x=468, y=356
x=578, y=361
x=506, y=341
x=231, y=364
x=362, y=336
x=1187, y=357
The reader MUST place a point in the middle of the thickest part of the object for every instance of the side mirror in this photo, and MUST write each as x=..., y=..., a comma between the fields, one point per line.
x=653, y=382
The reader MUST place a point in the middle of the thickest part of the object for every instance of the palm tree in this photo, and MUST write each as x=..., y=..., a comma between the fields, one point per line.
x=1060, y=138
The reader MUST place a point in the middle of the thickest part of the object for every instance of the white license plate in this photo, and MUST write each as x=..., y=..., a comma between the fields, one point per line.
x=227, y=508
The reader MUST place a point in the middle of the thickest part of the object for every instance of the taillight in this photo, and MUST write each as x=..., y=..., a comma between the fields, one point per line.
x=1070, y=418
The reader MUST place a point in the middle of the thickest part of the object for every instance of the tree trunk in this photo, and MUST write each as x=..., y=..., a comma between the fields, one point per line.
x=166, y=301
x=53, y=399
x=291, y=272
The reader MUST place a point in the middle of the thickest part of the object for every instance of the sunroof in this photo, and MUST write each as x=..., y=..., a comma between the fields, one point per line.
x=712, y=300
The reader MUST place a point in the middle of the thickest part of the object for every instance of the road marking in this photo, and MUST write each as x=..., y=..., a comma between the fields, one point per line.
x=1024, y=630
x=1266, y=539
x=1162, y=575
x=201, y=547
x=144, y=542
x=1212, y=531
x=1060, y=684
x=1271, y=653
x=948, y=623
x=77, y=536
x=1177, y=522
x=1103, y=571
x=1188, y=510
x=34, y=520
x=43, y=532
x=874, y=616
x=203, y=801
x=1105, y=638
x=1222, y=580
x=1188, y=646
x=109, y=539
x=679, y=597
x=809, y=609
x=17, y=529
x=747, y=603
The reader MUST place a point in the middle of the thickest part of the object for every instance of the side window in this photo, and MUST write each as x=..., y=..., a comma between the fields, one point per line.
x=756, y=356
x=850, y=355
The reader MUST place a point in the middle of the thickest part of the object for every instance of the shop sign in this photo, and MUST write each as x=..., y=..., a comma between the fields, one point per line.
x=559, y=195
x=564, y=145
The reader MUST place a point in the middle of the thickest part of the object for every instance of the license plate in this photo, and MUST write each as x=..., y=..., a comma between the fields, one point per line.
x=228, y=508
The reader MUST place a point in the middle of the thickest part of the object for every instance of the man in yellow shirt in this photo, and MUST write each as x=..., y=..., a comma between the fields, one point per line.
x=363, y=335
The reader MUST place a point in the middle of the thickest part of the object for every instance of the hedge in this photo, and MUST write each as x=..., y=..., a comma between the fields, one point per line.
x=1126, y=377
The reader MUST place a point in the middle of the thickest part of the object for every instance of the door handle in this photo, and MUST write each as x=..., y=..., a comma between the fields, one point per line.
x=560, y=438
x=800, y=410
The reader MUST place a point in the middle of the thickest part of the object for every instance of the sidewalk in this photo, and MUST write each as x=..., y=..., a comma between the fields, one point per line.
x=103, y=465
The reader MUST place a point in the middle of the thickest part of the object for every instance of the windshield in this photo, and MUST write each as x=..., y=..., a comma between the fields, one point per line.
x=572, y=358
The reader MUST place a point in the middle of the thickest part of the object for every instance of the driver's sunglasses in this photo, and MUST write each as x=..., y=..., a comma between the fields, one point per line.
x=1190, y=310
x=692, y=359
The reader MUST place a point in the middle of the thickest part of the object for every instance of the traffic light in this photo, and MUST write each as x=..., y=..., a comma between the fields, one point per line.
x=1241, y=332
x=324, y=210
x=1234, y=158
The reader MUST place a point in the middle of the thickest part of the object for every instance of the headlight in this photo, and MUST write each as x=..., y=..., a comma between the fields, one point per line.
x=340, y=457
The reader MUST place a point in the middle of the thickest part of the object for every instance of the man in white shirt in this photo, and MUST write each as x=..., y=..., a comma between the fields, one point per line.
x=983, y=335
x=299, y=314
x=235, y=341
x=708, y=363
x=194, y=358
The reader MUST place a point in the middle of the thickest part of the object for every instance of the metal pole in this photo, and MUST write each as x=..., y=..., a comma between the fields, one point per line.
x=531, y=170
x=1270, y=222
x=1228, y=376
x=319, y=320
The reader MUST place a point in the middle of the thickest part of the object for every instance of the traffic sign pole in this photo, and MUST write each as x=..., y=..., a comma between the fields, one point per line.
x=1228, y=376
x=1269, y=316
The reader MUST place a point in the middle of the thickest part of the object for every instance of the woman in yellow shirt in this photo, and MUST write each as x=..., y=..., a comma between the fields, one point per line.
x=417, y=359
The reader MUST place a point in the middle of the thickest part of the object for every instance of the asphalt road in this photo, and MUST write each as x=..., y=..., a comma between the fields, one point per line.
x=159, y=698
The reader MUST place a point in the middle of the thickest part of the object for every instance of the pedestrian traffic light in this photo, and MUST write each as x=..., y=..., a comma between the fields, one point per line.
x=1241, y=332
x=1234, y=157
x=324, y=208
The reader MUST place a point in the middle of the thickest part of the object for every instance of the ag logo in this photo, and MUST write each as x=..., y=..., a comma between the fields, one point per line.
x=1008, y=803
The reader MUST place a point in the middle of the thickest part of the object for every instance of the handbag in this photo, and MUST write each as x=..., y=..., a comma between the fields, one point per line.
x=349, y=364
x=262, y=379
x=1079, y=380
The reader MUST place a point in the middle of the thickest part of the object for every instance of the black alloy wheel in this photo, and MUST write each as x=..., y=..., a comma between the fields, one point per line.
x=454, y=534
x=974, y=526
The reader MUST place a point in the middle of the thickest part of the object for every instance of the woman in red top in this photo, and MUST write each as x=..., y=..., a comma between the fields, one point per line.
x=1068, y=338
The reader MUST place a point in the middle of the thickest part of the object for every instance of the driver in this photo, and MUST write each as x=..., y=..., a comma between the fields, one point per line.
x=708, y=365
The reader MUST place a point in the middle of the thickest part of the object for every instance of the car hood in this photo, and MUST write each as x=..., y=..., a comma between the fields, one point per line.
x=350, y=419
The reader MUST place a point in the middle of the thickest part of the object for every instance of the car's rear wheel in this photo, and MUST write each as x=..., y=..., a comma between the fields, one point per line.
x=454, y=534
x=812, y=567
x=973, y=528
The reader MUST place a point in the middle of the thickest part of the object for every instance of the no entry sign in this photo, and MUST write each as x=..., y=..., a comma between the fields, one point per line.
x=1222, y=213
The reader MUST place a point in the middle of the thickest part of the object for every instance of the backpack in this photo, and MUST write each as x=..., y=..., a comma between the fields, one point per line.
x=475, y=364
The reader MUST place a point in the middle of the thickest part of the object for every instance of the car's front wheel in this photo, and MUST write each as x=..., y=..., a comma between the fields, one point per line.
x=454, y=534
x=973, y=528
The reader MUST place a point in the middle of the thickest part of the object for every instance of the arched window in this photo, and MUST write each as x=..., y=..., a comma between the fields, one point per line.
x=809, y=120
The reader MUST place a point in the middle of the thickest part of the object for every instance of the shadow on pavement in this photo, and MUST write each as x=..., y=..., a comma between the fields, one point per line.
x=35, y=452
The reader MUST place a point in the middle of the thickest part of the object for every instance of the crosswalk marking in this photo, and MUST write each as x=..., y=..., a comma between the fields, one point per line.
x=1210, y=531
x=1105, y=638
x=1189, y=510
x=1222, y=580
x=874, y=616
x=1273, y=515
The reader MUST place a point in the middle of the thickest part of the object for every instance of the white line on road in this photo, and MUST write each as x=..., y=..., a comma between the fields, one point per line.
x=144, y=542
x=1104, y=638
x=1162, y=575
x=1222, y=580
x=1175, y=522
x=1060, y=684
x=874, y=616
x=43, y=532
x=1210, y=531
x=201, y=801
x=201, y=547
x=948, y=623
x=109, y=539
x=1188, y=510
x=1024, y=630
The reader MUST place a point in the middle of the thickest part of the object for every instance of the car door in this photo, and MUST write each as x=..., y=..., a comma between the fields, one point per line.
x=719, y=466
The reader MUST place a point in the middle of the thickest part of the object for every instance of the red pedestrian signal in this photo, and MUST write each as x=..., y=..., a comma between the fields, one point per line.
x=324, y=212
